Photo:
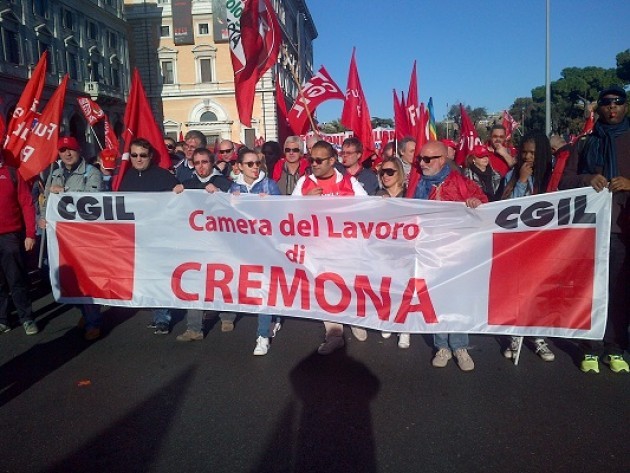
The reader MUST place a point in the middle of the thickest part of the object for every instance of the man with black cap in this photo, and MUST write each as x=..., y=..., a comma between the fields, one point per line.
x=603, y=162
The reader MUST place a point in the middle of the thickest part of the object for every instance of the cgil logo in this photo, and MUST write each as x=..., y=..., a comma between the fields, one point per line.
x=92, y=208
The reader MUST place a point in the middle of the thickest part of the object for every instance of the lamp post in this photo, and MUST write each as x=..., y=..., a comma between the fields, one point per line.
x=547, y=80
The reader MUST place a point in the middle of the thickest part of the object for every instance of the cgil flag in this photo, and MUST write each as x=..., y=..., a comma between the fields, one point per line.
x=509, y=123
x=139, y=122
x=468, y=138
x=40, y=147
x=92, y=112
x=255, y=38
x=356, y=115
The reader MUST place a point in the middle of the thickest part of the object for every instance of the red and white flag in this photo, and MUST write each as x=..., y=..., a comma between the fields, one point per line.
x=319, y=89
x=356, y=115
x=255, y=38
x=509, y=123
x=40, y=148
x=140, y=123
x=412, y=107
x=111, y=141
x=468, y=138
x=588, y=124
x=25, y=111
x=91, y=110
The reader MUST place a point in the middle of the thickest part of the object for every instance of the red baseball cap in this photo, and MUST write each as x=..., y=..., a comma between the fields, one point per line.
x=68, y=142
x=480, y=151
x=449, y=143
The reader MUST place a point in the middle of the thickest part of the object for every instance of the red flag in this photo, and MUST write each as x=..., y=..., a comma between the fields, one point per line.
x=509, y=124
x=284, y=128
x=20, y=123
x=421, y=137
x=588, y=124
x=355, y=115
x=111, y=142
x=400, y=117
x=140, y=123
x=181, y=135
x=40, y=148
x=255, y=40
x=468, y=138
x=320, y=88
x=91, y=110
x=412, y=108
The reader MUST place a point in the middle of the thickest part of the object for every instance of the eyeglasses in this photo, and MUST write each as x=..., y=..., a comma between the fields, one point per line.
x=251, y=164
x=141, y=155
x=428, y=159
x=197, y=163
x=387, y=171
x=318, y=160
x=610, y=100
x=226, y=151
x=291, y=150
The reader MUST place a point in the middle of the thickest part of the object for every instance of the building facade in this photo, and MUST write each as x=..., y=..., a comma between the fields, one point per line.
x=181, y=50
x=87, y=39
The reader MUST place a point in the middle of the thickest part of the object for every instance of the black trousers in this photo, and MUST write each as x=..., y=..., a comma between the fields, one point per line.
x=616, y=334
x=14, y=278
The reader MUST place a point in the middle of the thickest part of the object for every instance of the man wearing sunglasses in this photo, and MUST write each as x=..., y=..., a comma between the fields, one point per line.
x=440, y=182
x=326, y=180
x=226, y=157
x=602, y=160
x=351, y=153
x=194, y=139
x=291, y=167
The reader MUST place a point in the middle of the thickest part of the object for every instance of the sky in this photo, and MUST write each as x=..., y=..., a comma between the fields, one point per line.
x=483, y=53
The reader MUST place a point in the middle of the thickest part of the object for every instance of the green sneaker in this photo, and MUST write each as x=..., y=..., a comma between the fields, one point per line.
x=617, y=363
x=590, y=363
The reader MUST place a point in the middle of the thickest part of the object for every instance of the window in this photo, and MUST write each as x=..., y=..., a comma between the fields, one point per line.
x=67, y=19
x=112, y=39
x=165, y=31
x=12, y=46
x=168, y=74
x=115, y=74
x=39, y=8
x=41, y=48
x=203, y=28
x=208, y=117
x=205, y=68
x=92, y=30
x=73, y=66
x=95, y=73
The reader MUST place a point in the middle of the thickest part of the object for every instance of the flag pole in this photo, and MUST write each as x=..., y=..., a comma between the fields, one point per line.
x=286, y=62
x=96, y=137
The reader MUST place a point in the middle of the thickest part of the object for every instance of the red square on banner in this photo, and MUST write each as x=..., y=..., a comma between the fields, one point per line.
x=96, y=259
x=542, y=278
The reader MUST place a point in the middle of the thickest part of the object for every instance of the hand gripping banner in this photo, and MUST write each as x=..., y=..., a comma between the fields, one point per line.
x=534, y=266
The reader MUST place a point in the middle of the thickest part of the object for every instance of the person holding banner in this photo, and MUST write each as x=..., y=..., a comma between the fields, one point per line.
x=75, y=175
x=17, y=233
x=326, y=180
x=440, y=182
x=288, y=170
x=530, y=176
x=478, y=169
x=194, y=139
x=147, y=176
x=604, y=163
x=251, y=180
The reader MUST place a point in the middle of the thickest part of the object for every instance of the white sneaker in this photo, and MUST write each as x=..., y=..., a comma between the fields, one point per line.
x=543, y=350
x=275, y=329
x=386, y=334
x=512, y=349
x=262, y=346
x=440, y=360
x=330, y=345
x=404, y=340
x=359, y=333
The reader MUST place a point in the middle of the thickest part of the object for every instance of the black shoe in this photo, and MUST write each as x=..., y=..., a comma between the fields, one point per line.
x=161, y=329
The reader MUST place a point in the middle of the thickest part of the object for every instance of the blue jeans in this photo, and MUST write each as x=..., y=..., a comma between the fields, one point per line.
x=162, y=316
x=264, y=324
x=454, y=341
x=92, y=315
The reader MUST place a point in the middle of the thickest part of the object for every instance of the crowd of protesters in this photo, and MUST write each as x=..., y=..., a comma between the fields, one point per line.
x=491, y=172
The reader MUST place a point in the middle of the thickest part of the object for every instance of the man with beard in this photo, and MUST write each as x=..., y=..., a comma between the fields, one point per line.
x=501, y=157
x=351, y=152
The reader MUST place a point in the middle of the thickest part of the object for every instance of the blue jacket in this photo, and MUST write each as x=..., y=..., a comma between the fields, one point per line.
x=262, y=185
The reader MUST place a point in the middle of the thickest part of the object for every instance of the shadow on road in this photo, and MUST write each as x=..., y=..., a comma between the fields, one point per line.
x=333, y=432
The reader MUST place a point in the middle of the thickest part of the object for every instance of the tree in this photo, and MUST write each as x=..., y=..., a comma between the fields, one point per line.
x=623, y=66
x=333, y=126
x=382, y=122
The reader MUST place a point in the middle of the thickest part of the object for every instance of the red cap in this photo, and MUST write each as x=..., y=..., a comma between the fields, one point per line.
x=449, y=143
x=68, y=142
x=480, y=151
x=108, y=158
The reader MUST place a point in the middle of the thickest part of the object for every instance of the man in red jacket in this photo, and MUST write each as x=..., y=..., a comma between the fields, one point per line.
x=17, y=229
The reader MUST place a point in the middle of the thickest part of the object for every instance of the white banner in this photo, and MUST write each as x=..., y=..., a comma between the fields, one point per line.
x=531, y=266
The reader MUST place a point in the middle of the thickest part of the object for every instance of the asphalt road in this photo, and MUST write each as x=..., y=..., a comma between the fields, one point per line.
x=137, y=402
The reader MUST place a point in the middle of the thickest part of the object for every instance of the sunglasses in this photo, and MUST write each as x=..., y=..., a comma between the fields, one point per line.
x=197, y=163
x=318, y=160
x=251, y=164
x=428, y=159
x=63, y=150
x=387, y=171
x=291, y=150
x=610, y=100
x=226, y=151
x=141, y=155
x=170, y=146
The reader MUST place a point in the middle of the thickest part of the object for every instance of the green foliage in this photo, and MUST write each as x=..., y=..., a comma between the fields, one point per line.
x=334, y=126
x=382, y=122
x=623, y=66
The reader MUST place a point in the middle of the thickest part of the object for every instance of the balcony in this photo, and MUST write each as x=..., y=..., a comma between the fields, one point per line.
x=98, y=90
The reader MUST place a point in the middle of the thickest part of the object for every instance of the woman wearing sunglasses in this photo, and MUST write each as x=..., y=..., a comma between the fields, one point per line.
x=252, y=180
x=392, y=177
